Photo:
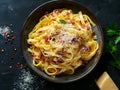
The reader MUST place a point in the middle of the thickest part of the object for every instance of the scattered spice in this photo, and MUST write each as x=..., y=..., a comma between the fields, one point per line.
x=16, y=65
x=2, y=50
x=19, y=65
x=15, y=49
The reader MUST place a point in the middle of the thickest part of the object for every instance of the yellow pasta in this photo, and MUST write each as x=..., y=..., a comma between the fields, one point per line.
x=62, y=41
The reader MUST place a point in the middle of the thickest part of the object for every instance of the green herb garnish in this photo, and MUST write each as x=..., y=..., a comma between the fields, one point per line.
x=62, y=21
x=111, y=44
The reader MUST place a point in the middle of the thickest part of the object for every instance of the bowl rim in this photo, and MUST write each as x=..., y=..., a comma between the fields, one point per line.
x=90, y=69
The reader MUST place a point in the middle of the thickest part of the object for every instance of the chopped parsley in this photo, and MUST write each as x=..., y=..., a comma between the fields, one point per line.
x=62, y=21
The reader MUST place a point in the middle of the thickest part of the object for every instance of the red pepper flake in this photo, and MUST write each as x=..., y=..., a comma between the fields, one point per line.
x=19, y=65
x=13, y=37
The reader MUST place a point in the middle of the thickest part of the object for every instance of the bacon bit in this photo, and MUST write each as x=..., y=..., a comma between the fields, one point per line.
x=84, y=62
x=36, y=61
x=47, y=59
x=62, y=41
x=77, y=39
x=84, y=49
x=93, y=33
x=47, y=39
x=46, y=13
x=68, y=13
x=57, y=60
x=57, y=11
x=88, y=28
x=59, y=69
x=62, y=51
x=41, y=55
x=32, y=46
x=72, y=22
x=40, y=31
x=79, y=29
x=33, y=55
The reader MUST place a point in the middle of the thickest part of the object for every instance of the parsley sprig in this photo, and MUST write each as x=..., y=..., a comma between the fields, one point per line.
x=112, y=43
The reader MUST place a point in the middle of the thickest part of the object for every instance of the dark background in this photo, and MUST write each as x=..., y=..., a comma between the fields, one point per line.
x=16, y=75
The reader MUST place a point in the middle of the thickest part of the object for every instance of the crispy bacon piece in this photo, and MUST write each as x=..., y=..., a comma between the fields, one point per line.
x=84, y=49
x=77, y=39
x=70, y=22
x=47, y=39
x=62, y=51
x=41, y=55
x=57, y=60
x=32, y=46
x=59, y=69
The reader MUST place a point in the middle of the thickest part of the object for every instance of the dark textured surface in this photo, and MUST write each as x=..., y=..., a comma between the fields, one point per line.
x=13, y=14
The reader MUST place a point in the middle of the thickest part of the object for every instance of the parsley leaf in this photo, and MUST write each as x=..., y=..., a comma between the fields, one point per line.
x=62, y=21
x=117, y=40
x=112, y=43
x=111, y=32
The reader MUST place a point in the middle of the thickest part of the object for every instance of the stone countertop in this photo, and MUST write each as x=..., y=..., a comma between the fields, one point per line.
x=16, y=75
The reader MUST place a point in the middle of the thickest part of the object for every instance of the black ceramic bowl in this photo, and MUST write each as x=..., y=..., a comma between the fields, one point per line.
x=33, y=19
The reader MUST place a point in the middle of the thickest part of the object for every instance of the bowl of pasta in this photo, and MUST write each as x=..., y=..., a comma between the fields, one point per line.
x=62, y=41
